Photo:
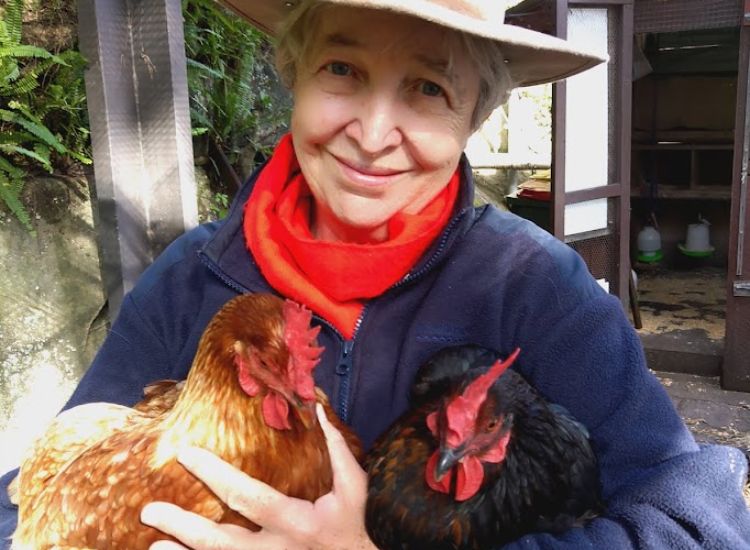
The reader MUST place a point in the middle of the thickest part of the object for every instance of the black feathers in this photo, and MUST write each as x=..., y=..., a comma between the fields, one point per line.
x=547, y=481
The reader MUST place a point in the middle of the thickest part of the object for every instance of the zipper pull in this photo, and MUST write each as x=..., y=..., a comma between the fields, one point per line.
x=345, y=361
x=343, y=370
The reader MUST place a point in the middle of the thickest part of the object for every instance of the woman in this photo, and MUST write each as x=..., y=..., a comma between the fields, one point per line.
x=364, y=213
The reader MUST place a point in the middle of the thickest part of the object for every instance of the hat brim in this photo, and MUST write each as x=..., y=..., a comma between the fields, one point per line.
x=533, y=57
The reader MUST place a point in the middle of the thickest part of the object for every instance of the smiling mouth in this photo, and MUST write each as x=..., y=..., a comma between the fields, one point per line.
x=367, y=175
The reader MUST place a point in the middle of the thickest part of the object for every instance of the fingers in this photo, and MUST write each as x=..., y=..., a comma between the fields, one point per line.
x=347, y=473
x=253, y=499
x=191, y=529
x=167, y=545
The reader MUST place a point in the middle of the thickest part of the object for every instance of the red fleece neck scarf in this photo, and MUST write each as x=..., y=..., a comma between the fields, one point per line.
x=333, y=279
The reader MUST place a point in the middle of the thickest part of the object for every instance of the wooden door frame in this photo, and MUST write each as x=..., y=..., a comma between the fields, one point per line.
x=735, y=371
x=621, y=187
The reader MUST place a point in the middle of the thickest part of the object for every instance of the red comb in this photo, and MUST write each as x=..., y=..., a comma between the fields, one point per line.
x=477, y=390
x=462, y=411
x=303, y=353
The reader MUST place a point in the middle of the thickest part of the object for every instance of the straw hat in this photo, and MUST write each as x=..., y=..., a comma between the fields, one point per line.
x=532, y=57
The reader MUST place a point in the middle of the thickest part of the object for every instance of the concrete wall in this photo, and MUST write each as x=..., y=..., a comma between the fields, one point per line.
x=51, y=305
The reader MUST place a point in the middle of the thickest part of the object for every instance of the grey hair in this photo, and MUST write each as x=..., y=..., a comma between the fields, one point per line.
x=495, y=81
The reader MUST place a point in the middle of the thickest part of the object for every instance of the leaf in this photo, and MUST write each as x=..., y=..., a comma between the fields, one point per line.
x=80, y=157
x=14, y=172
x=10, y=193
x=15, y=149
x=27, y=50
x=13, y=19
x=35, y=128
x=26, y=85
x=9, y=72
x=202, y=67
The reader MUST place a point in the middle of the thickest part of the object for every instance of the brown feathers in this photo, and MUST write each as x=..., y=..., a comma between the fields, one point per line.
x=85, y=481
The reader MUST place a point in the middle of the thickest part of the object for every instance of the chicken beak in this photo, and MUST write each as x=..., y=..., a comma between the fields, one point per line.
x=447, y=459
x=305, y=411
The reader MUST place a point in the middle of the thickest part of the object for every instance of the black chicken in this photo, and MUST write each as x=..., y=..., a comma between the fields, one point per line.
x=481, y=459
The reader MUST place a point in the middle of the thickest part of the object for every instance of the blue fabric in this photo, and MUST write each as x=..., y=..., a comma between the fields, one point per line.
x=492, y=279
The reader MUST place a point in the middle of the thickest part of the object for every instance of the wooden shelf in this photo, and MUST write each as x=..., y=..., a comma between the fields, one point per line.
x=685, y=136
x=683, y=170
x=704, y=192
x=680, y=146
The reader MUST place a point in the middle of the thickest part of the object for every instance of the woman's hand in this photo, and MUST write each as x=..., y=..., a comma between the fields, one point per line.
x=335, y=520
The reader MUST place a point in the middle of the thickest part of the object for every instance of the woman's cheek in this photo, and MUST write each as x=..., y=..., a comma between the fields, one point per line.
x=322, y=118
x=435, y=150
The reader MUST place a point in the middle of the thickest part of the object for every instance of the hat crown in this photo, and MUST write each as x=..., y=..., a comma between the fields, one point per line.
x=532, y=57
x=491, y=11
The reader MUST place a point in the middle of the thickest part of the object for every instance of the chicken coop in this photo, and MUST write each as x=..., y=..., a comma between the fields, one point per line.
x=685, y=93
x=668, y=170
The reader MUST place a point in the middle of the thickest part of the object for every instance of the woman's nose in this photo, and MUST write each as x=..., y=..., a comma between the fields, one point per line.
x=376, y=127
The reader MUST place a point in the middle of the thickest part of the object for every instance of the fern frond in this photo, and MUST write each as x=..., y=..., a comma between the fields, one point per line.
x=11, y=149
x=10, y=194
x=13, y=137
x=34, y=127
x=27, y=50
x=4, y=36
x=25, y=85
x=42, y=150
x=203, y=69
x=13, y=18
x=70, y=58
x=9, y=72
x=12, y=170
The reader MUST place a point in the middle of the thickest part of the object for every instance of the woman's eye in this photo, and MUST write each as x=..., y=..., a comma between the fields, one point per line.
x=431, y=89
x=339, y=69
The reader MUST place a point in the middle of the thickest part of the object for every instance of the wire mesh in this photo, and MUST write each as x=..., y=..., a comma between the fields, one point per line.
x=683, y=15
x=600, y=255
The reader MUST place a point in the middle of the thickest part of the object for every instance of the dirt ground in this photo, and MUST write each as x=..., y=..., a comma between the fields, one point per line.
x=683, y=299
x=693, y=302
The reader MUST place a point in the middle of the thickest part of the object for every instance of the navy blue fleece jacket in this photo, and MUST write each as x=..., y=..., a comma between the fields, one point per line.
x=491, y=279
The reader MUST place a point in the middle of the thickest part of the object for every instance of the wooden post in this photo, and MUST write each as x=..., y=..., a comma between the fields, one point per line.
x=136, y=85
x=735, y=372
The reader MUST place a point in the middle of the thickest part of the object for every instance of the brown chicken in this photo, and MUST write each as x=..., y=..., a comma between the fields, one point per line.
x=249, y=398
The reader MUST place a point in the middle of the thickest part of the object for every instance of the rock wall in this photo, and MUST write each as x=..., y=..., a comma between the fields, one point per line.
x=52, y=308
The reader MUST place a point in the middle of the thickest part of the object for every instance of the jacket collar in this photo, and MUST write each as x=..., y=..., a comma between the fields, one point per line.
x=226, y=255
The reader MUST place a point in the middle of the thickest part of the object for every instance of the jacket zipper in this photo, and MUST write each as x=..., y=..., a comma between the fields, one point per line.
x=344, y=367
x=345, y=364
x=344, y=372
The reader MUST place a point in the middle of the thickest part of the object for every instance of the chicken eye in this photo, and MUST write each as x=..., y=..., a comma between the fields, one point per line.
x=491, y=425
x=431, y=89
x=339, y=68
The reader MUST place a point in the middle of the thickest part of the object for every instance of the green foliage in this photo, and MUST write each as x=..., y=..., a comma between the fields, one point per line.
x=235, y=99
x=219, y=206
x=42, y=110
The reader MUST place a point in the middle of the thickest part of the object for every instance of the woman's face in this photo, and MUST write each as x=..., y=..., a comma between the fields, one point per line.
x=380, y=118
